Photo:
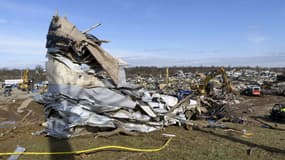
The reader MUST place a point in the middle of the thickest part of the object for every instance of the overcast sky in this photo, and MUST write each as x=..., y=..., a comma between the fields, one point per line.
x=153, y=32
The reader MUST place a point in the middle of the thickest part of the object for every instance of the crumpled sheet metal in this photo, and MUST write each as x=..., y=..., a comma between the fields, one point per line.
x=138, y=116
x=102, y=108
x=72, y=106
x=98, y=99
x=75, y=115
x=57, y=66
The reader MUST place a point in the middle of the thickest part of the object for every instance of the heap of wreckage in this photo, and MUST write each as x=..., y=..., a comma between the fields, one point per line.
x=88, y=91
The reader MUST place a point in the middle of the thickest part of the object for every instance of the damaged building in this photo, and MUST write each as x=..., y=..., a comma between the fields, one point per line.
x=88, y=88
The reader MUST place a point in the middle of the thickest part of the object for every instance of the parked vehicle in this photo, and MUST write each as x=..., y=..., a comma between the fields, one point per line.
x=253, y=90
x=7, y=90
x=278, y=112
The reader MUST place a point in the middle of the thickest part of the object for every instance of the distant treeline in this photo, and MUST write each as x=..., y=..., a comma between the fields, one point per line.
x=36, y=74
x=133, y=71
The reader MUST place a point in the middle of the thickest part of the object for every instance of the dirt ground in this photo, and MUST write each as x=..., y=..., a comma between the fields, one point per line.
x=199, y=143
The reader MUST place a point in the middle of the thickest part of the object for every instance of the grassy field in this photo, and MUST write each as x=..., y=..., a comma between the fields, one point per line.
x=188, y=144
x=203, y=143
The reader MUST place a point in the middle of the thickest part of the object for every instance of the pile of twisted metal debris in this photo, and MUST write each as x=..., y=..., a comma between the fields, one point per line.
x=88, y=89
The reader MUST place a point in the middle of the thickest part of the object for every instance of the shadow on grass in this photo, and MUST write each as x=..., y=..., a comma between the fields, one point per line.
x=60, y=145
x=250, y=144
x=268, y=119
x=268, y=122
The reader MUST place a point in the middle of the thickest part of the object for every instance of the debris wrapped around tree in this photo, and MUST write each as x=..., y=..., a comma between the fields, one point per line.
x=88, y=90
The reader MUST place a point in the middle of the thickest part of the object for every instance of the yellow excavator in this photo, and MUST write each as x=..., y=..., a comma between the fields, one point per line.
x=25, y=85
x=226, y=83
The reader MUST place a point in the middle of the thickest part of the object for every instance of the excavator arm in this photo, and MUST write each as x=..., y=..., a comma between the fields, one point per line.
x=226, y=83
x=25, y=85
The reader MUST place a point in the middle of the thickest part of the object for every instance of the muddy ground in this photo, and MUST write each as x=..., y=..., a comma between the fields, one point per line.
x=199, y=143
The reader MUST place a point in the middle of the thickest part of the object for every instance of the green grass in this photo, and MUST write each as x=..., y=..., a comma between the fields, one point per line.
x=214, y=144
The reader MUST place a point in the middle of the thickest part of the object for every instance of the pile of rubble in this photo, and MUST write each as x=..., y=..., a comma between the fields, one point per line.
x=87, y=89
x=271, y=83
x=217, y=90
